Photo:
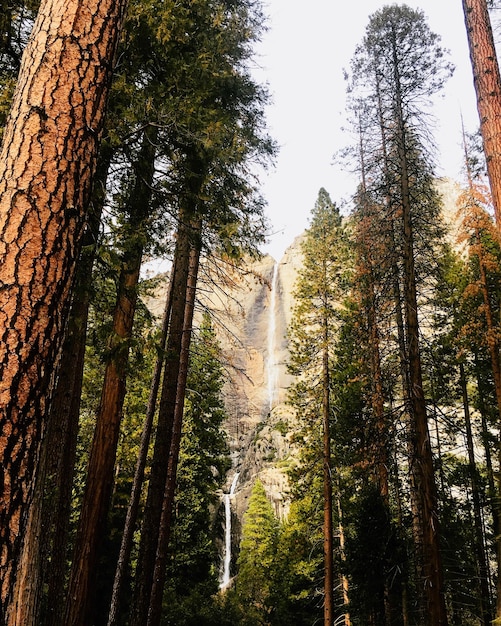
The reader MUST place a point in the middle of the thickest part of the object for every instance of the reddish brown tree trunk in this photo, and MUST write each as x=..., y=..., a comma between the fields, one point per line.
x=487, y=82
x=133, y=506
x=46, y=165
x=44, y=547
x=99, y=481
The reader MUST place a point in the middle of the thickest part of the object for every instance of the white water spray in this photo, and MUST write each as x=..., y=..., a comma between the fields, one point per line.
x=272, y=365
x=227, y=533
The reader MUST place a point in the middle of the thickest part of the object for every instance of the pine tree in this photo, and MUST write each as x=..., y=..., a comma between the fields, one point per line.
x=319, y=295
x=71, y=52
x=257, y=554
x=399, y=66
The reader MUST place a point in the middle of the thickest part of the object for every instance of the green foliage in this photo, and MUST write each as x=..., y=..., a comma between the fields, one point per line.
x=204, y=460
x=256, y=561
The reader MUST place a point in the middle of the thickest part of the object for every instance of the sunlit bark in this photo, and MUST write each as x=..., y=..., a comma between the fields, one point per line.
x=46, y=165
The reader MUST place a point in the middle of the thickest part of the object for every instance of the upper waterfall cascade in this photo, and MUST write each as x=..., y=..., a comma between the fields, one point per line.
x=272, y=366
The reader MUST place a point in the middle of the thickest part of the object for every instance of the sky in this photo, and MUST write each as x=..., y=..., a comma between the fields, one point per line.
x=302, y=57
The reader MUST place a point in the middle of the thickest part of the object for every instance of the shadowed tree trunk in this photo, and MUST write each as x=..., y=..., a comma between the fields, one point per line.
x=483, y=575
x=158, y=474
x=133, y=506
x=100, y=474
x=155, y=604
x=46, y=164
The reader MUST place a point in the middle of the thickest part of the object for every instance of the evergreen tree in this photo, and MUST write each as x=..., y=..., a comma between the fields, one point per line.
x=256, y=561
x=193, y=565
x=44, y=231
x=319, y=294
x=399, y=66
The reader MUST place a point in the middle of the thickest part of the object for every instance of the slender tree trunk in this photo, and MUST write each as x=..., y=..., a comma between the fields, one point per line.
x=155, y=604
x=328, y=521
x=99, y=482
x=493, y=348
x=422, y=458
x=342, y=550
x=487, y=82
x=483, y=578
x=158, y=474
x=133, y=507
x=47, y=160
x=486, y=442
x=65, y=413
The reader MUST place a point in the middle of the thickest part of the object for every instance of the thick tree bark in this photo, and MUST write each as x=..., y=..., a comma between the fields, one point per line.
x=487, y=82
x=164, y=533
x=44, y=560
x=100, y=474
x=46, y=165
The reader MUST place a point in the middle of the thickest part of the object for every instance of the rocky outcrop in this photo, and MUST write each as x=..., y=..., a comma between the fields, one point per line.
x=245, y=305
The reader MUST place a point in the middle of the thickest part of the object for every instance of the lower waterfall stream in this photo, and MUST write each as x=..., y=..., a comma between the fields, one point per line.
x=227, y=533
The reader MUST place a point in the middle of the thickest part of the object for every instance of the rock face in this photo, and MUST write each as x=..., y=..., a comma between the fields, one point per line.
x=251, y=311
x=254, y=314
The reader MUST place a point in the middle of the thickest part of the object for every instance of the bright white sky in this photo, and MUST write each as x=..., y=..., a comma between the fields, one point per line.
x=302, y=58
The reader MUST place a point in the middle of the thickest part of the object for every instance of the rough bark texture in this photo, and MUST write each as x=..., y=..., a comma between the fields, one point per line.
x=487, y=81
x=44, y=560
x=46, y=165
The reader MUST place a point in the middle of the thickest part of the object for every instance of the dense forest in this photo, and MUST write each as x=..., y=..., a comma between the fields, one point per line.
x=134, y=132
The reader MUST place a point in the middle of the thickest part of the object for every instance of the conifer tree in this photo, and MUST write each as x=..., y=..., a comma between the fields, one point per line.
x=257, y=554
x=71, y=53
x=319, y=294
x=397, y=68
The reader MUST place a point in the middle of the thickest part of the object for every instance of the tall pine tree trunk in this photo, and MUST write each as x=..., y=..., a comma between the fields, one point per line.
x=47, y=160
x=65, y=414
x=482, y=569
x=164, y=533
x=487, y=82
x=153, y=509
x=326, y=457
x=99, y=481
x=45, y=541
x=493, y=346
x=133, y=506
x=422, y=458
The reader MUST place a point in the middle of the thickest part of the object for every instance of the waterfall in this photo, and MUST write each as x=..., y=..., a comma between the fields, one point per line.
x=227, y=533
x=272, y=365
